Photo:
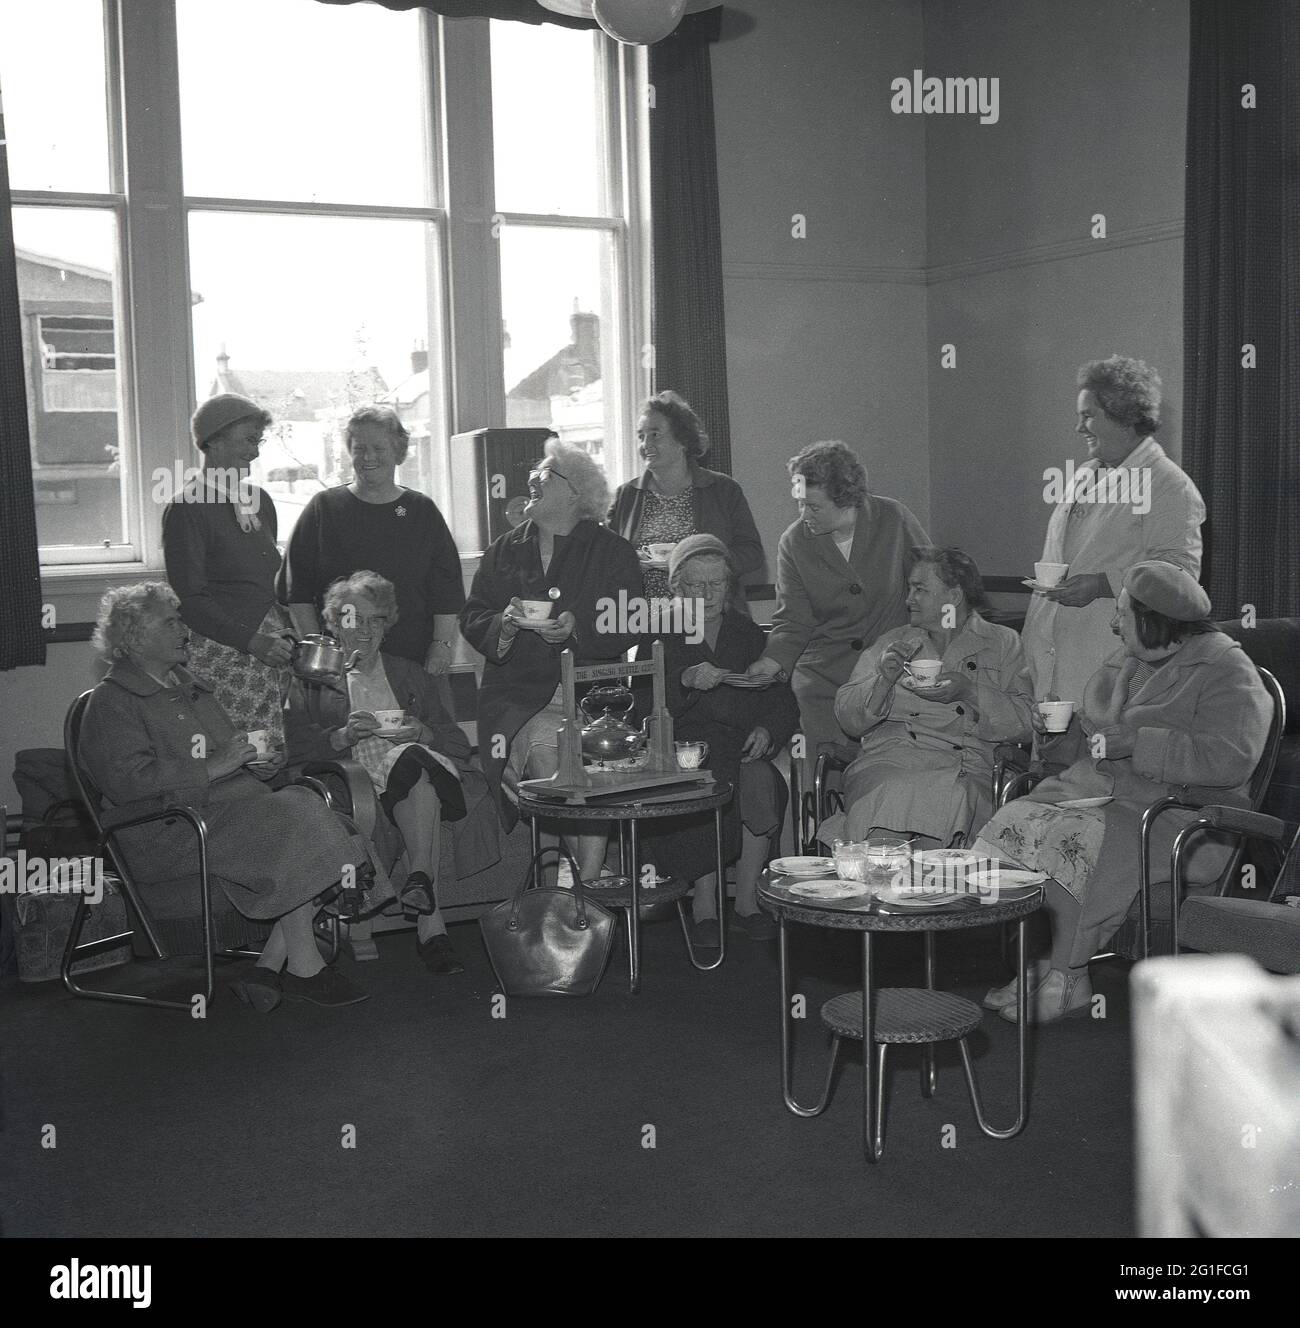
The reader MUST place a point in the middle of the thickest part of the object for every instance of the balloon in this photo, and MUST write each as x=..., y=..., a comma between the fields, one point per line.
x=638, y=22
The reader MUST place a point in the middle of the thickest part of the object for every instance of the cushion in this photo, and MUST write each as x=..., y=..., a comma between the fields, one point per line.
x=1268, y=933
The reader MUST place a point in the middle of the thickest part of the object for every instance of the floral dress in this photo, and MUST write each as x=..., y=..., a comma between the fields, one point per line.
x=664, y=521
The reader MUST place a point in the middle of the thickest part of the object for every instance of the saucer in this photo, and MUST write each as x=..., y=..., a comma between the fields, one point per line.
x=1080, y=804
x=1040, y=585
x=802, y=866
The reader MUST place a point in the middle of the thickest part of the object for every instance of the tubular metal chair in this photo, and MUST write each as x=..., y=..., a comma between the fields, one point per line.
x=1134, y=938
x=108, y=826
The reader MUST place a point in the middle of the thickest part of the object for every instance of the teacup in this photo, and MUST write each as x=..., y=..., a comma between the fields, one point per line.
x=261, y=739
x=923, y=672
x=390, y=719
x=660, y=552
x=537, y=610
x=691, y=755
x=1050, y=574
x=1056, y=715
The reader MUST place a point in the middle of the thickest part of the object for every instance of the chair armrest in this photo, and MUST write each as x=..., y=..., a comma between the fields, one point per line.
x=1240, y=821
x=1018, y=785
x=362, y=803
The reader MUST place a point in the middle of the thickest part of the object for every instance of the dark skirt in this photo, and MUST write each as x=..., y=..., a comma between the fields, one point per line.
x=414, y=762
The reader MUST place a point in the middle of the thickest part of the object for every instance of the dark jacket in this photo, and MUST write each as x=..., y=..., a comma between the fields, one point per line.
x=590, y=569
x=720, y=509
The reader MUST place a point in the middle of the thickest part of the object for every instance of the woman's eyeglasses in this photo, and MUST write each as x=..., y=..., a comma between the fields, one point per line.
x=700, y=587
x=537, y=476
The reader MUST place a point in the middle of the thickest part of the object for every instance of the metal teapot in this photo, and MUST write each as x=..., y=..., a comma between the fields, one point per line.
x=319, y=658
x=608, y=736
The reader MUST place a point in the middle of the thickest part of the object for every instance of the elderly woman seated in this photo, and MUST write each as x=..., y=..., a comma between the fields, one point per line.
x=742, y=728
x=582, y=580
x=418, y=762
x=1180, y=710
x=153, y=735
x=927, y=750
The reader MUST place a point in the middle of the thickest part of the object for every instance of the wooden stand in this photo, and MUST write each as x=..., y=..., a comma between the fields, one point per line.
x=576, y=782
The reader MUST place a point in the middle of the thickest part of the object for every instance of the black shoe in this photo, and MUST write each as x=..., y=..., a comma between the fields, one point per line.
x=753, y=926
x=328, y=987
x=440, y=955
x=706, y=934
x=258, y=987
x=417, y=895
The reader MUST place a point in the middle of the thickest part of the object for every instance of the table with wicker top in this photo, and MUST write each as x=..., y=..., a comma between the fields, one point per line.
x=630, y=894
x=897, y=1015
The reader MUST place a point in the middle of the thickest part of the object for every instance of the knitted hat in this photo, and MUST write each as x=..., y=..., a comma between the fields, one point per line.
x=1169, y=590
x=218, y=413
x=694, y=546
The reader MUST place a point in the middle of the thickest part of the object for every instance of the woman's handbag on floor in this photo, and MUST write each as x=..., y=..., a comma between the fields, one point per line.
x=547, y=941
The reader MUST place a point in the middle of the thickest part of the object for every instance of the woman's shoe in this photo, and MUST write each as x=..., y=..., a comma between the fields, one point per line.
x=328, y=987
x=1059, y=994
x=706, y=934
x=440, y=956
x=753, y=926
x=258, y=987
x=1001, y=998
x=417, y=895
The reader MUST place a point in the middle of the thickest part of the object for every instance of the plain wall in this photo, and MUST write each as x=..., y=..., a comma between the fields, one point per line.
x=1092, y=120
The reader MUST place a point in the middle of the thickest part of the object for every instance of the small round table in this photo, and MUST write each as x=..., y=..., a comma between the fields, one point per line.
x=627, y=812
x=891, y=1016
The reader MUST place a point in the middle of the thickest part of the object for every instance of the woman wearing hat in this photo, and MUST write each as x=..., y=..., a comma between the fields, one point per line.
x=1181, y=711
x=743, y=729
x=219, y=542
x=676, y=497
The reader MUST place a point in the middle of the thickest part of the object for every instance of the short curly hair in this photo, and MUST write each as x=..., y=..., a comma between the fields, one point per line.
x=378, y=589
x=834, y=468
x=957, y=570
x=123, y=614
x=388, y=420
x=683, y=422
x=587, y=478
x=1127, y=390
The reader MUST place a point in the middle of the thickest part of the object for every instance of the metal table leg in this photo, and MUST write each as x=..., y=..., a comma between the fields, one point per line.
x=787, y=1067
x=873, y=1095
x=1022, y=1022
x=929, y=1070
x=633, y=914
x=721, y=895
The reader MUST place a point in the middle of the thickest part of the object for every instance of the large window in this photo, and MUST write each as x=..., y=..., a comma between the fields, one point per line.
x=319, y=207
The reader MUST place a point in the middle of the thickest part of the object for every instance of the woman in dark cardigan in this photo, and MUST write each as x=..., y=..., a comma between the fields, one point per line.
x=743, y=729
x=676, y=497
x=422, y=770
x=591, y=577
x=153, y=736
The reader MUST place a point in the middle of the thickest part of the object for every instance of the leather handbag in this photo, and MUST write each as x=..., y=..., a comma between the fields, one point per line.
x=547, y=941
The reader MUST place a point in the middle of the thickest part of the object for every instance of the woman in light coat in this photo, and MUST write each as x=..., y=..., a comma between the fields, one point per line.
x=1128, y=503
x=1180, y=711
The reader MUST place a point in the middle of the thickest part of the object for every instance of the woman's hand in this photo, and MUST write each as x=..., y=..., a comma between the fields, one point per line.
x=1118, y=741
x=950, y=687
x=1077, y=591
x=703, y=677
x=274, y=651
x=763, y=667
x=894, y=657
x=439, y=658
x=1105, y=707
x=268, y=766
x=411, y=731
x=1039, y=722
x=757, y=745
x=230, y=756
x=555, y=630
x=361, y=724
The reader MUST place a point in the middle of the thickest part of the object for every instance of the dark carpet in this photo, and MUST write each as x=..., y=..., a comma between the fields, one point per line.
x=539, y=1123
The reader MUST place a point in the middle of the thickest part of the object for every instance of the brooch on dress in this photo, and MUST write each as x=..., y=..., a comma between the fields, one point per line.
x=399, y=510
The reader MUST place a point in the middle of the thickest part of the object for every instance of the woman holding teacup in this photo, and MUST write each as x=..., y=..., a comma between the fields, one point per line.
x=732, y=730
x=1180, y=711
x=386, y=714
x=1102, y=526
x=558, y=581
x=931, y=701
x=676, y=497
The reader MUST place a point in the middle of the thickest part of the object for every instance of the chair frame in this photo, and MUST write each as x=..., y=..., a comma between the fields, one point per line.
x=75, y=949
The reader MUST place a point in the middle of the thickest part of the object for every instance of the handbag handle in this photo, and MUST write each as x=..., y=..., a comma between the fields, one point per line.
x=530, y=876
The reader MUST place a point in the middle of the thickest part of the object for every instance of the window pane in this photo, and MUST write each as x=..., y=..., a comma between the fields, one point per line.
x=282, y=99
x=67, y=289
x=311, y=318
x=55, y=100
x=547, y=120
x=557, y=293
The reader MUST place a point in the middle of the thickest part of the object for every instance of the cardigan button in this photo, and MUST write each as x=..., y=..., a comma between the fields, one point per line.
x=855, y=589
x=857, y=643
x=960, y=711
x=970, y=664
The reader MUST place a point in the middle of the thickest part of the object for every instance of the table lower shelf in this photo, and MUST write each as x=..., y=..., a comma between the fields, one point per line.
x=903, y=1015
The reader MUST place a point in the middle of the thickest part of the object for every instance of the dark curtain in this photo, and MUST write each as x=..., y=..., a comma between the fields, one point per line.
x=688, y=326
x=1242, y=285
x=21, y=639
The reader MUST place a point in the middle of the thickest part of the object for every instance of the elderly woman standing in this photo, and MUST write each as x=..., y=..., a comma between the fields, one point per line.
x=421, y=770
x=1180, y=711
x=676, y=497
x=927, y=753
x=1127, y=503
x=743, y=729
x=840, y=582
x=219, y=542
x=563, y=554
x=153, y=735
x=374, y=523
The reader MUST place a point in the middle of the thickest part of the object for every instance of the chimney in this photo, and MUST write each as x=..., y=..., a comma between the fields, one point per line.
x=223, y=360
x=586, y=341
x=419, y=358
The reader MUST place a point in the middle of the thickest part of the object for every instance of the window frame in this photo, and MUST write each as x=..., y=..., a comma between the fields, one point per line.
x=154, y=344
